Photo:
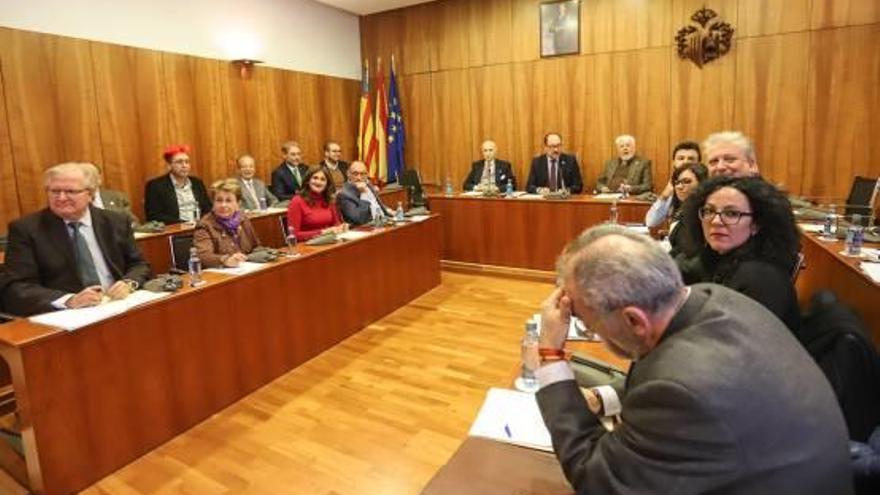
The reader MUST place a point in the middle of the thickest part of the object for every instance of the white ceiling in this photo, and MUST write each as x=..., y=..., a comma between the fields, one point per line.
x=364, y=7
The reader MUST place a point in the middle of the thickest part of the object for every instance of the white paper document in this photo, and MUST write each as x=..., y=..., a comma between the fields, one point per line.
x=72, y=319
x=470, y=194
x=512, y=417
x=244, y=268
x=352, y=235
x=531, y=196
x=608, y=196
x=419, y=218
x=815, y=228
x=872, y=270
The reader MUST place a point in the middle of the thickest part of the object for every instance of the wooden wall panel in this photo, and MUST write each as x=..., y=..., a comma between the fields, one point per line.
x=837, y=13
x=759, y=17
x=843, y=104
x=420, y=130
x=491, y=97
x=452, y=124
x=489, y=32
x=132, y=109
x=9, y=199
x=771, y=87
x=339, y=100
x=417, y=36
x=590, y=117
x=614, y=25
x=525, y=30
x=449, y=49
x=306, y=116
x=641, y=103
x=50, y=103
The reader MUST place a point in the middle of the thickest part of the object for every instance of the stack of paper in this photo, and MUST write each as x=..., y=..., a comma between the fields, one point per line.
x=872, y=270
x=419, y=218
x=512, y=417
x=71, y=319
x=608, y=196
x=352, y=235
x=243, y=268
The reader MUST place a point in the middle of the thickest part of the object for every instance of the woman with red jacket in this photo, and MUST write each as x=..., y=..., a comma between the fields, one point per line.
x=312, y=211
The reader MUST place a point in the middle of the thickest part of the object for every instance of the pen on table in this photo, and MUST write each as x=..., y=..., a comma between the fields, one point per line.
x=507, y=431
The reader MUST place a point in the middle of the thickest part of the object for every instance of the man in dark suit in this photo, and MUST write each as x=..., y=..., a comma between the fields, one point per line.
x=287, y=178
x=489, y=169
x=109, y=199
x=554, y=170
x=358, y=199
x=626, y=172
x=176, y=196
x=70, y=254
x=336, y=168
x=721, y=397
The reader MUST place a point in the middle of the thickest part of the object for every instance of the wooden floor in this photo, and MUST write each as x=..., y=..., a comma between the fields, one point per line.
x=377, y=414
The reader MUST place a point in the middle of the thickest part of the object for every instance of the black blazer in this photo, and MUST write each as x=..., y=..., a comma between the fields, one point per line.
x=569, y=174
x=503, y=172
x=41, y=264
x=160, y=200
x=355, y=210
x=284, y=184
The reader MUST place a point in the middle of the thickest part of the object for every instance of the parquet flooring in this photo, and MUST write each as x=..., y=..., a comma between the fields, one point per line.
x=377, y=414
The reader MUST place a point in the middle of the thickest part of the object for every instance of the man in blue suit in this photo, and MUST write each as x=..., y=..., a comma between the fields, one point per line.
x=287, y=178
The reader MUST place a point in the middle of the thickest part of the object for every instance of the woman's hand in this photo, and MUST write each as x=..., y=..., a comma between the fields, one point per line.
x=233, y=260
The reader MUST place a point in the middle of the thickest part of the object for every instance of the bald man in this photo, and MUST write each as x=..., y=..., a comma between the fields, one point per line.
x=358, y=199
x=490, y=169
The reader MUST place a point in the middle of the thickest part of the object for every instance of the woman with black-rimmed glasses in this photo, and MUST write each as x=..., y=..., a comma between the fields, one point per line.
x=749, y=242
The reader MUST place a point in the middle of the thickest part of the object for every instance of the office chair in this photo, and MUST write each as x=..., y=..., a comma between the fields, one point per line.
x=2, y=243
x=412, y=181
x=862, y=198
x=180, y=245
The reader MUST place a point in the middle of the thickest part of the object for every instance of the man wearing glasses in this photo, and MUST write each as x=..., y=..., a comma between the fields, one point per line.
x=720, y=398
x=176, y=196
x=554, y=170
x=71, y=254
x=359, y=200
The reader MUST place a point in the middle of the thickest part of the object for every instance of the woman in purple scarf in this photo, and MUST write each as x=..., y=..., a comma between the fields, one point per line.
x=225, y=236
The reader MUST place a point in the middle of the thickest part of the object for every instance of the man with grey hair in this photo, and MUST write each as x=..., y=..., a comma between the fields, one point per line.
x=730, y=153
x=628, y=172
x=71, y=254
x=720, y=398
x=287, y=178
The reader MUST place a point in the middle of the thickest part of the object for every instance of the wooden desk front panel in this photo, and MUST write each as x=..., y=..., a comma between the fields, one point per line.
x=517, y=232
x=93, y=400
x=826, y=268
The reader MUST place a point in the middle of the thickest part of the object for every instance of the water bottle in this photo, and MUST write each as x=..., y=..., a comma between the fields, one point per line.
x=855, y=236
x=290, y=240
x=613, y=218
x=530, y=360
x=448, y=188
x=624, y=191
x=263, y=205
x=509, y=189
x=398, y=213
x=195, y=267
x=829, y=227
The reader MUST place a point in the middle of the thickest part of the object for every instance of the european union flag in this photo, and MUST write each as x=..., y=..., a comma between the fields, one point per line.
x=395, y=132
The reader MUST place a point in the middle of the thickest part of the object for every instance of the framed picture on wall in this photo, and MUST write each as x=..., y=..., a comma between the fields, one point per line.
x=560, y=28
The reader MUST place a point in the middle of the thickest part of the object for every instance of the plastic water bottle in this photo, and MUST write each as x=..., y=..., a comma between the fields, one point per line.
x=613, y=217
x=263, y=205
x=398, y=213
x=290, y=240
x=529, y=351
x=829, y=226
x=855, y=236
x=509, y=190
x=195, y=267
x=448, y=188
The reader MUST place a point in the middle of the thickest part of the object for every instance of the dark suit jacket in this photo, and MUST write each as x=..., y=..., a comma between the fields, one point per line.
x=42, y=266
x=284, y=184
x=569, y=174
x=728, y=402
x=503, y=172
x=117, y=201
x=640, y=175
x=341, y=165
x=355, y=210
x=160, y=200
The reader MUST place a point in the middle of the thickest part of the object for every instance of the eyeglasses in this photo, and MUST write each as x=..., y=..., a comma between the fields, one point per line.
x=728, y=217
x=684, y=182
x=56, y=193
x=180, y=161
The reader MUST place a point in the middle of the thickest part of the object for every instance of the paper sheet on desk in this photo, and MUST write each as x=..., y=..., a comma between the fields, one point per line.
x=512, y=417
x=419, y=218
x=872, y=270
x=72, y=319
x=244, y=268
x=815, y=228
x=531, y=196
x=471, y=194
x=352, y=235
x=608, y=196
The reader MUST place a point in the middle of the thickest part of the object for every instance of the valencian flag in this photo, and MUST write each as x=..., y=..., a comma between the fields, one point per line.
x=367, y=145
x=396, y=135
x=379, y=169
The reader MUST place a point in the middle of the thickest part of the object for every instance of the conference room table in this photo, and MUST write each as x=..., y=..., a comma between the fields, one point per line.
x=92, y=400
x=525, y=232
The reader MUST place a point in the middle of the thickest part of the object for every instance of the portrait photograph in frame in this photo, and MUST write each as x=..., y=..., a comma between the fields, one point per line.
x=560, y=28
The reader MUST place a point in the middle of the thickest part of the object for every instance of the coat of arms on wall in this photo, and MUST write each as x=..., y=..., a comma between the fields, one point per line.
x=705, y=42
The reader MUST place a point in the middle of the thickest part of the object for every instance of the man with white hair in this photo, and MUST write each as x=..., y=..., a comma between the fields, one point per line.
x=490, y=169
x=720, y=398
x=730, y=153
x=627, y=172
x=70, y=254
